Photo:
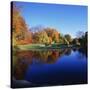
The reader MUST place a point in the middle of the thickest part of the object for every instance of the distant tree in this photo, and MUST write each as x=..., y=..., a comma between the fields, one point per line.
x=41, y=37
x=86, y=37
x=53, y=34
x=76, y=41
x=68, y=52
x=37, y=28
x=61, y=39
x=68, y=38
x=50, y=40
x=83, y=39
x=79, y=34
x=66, y=41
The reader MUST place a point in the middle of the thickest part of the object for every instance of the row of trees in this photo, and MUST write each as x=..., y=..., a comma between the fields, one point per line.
x=23, y=35
x=82, y=39
x=46, y=36
x=40, y=35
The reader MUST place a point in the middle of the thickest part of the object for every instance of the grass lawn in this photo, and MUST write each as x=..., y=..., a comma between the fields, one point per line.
x=41, y=46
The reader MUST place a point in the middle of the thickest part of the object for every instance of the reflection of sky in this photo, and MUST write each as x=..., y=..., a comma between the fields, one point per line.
x=65, y=18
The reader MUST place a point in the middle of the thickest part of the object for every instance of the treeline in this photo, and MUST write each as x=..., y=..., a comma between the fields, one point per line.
x=21, y=34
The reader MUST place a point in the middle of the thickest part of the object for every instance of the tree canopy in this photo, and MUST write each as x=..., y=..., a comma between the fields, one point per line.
x=22, y=34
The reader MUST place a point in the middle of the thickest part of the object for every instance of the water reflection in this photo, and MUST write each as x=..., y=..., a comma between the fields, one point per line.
x=26, y=59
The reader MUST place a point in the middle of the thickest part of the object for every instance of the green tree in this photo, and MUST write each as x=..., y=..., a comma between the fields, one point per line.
x=68, y=38
x=75, y=41
x=41, y=37
x=61, y=39
x=83, y=39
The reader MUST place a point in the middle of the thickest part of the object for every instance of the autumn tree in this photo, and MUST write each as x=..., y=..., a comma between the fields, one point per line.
x=52, y=34
x=61, y=39
x=41, y=37
x=20, y=32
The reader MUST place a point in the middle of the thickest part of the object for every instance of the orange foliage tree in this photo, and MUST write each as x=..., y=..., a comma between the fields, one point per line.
x=52, y=34
x=21, y=34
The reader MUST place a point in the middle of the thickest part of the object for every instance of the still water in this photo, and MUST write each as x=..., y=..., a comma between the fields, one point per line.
x=49, y=67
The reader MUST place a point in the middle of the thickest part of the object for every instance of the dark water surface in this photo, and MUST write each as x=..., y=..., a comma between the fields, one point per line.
x=49, y=67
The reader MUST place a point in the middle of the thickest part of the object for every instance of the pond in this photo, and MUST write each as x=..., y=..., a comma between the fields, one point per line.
x=49, y=67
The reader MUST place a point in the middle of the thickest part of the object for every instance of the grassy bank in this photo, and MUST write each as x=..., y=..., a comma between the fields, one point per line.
x=41, y=46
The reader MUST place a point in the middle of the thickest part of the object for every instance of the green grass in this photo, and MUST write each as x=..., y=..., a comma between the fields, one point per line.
x=30, y=46
x=40, y=46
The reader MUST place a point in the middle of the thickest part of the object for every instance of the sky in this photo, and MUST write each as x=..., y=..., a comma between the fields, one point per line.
x=67, y=19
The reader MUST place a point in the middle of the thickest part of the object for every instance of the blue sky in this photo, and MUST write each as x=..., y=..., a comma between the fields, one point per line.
x=65, y=18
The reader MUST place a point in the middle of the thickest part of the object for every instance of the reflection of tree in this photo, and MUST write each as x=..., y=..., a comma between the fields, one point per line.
x=25, y=58
x=19, y=69
x=42, y=56
x=48, y=56
x=74, y=49
x=53, y=57
x=83, y=51
x=68, y=51
x=25, y=55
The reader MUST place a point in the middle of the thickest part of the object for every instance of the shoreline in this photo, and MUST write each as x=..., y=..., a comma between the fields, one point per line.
x=25, y=48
